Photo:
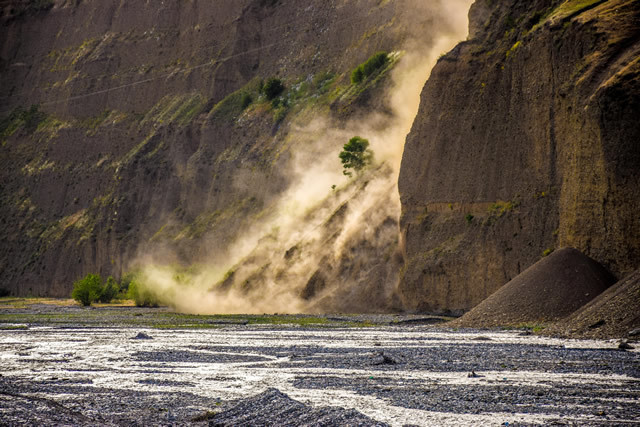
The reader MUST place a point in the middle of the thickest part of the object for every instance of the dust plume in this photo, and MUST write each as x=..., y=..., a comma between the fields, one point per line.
x=327, y=243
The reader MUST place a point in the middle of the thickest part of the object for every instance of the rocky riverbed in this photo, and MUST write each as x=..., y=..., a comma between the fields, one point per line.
x=396, y=372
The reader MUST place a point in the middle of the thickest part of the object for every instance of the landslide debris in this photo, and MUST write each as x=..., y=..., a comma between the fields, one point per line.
x=549, y=290
x=614, y=313
x=146, y=132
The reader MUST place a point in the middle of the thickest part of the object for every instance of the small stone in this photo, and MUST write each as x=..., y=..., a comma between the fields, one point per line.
x=142, y=336
x=624, y=345
x=388, y=360
x=383, y=359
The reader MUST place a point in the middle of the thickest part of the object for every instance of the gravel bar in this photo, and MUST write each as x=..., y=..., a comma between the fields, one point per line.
x=407, y=374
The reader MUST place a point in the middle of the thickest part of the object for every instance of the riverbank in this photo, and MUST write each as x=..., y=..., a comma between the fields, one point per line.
x=178, y=369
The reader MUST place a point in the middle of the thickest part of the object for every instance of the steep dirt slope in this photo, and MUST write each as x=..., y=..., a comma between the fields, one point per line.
x=549, y=290
x=526, y=141
x=137, y=127
x=612, y=314
x=51, y=56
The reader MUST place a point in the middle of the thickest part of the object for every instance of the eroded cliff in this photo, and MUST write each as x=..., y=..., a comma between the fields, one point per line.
x=138, y=128
x=526, y=141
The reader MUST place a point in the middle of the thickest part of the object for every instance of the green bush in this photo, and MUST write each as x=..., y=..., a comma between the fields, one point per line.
x=356, y=155
x=322, y=82
x=88, y=289
x=370, y=66
x=247, y=99
x=469, y=218
x=127, y=278
x=357, y=75
x=272, y=88
x=109, y=291
x=141, y=295
x=19, y=117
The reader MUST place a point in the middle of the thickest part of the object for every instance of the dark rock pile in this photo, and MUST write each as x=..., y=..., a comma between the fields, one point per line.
x=549, y=290
x=276, y=408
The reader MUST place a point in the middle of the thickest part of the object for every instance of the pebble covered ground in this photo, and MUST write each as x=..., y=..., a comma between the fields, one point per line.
x=401, y=371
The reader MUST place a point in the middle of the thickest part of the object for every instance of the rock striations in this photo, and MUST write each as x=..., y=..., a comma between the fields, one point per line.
x=125, y=127
x=526, y=141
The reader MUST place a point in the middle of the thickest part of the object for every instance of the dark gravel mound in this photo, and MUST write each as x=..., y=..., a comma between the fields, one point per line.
x=273, y=408
x=614, y=313
x=549, y=290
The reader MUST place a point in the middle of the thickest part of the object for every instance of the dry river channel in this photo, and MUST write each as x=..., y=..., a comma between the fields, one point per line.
x=337, y=371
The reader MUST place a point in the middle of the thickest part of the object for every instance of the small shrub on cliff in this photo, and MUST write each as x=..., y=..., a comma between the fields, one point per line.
x=356, y=155
x=370, y=66
x=87, y=289
x=272, y=88
x=357, y=75
x=20, y=117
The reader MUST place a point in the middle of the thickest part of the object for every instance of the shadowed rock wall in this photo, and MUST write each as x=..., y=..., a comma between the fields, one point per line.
x=526, y=140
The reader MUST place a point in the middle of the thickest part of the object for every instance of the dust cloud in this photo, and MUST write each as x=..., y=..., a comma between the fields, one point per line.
x=318, y=248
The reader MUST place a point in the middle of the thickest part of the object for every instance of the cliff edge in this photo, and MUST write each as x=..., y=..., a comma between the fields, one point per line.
x=526, y=141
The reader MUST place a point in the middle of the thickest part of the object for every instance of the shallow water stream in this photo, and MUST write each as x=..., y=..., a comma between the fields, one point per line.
x=396, y=375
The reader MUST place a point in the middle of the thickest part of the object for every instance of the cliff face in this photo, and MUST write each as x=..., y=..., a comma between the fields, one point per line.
x=526, y=141
x=137, y=127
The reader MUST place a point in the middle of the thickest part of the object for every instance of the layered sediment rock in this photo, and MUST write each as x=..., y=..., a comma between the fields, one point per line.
x=136, y=143
x=526, y=141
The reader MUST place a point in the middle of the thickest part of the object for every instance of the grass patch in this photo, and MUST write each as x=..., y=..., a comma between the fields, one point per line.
x=176, y=109
x=236, y=102
x=125, y=315
x=572, y=7
x=514, y=48
x=499, y=209
x=345, y=96
x=21, y=118
x=565, y=10
x=13, y=327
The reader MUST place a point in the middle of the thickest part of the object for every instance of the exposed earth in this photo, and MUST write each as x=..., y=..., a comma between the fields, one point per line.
x=62, y=364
